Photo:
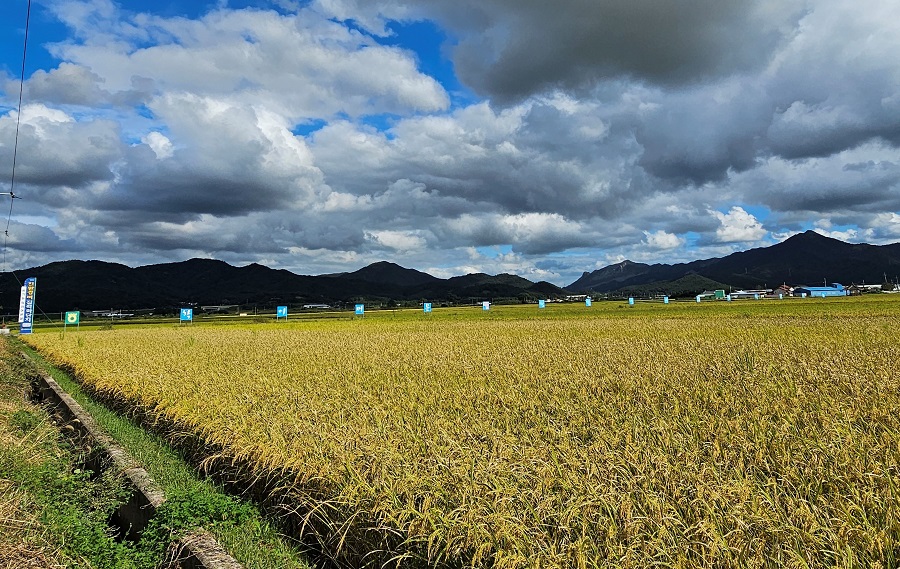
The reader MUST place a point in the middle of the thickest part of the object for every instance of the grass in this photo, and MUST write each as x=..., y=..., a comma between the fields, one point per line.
x=743, y=434
x=192, y=500
x=52, y=513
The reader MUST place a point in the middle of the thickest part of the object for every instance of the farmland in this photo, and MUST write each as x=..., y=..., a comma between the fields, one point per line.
x=743, y=434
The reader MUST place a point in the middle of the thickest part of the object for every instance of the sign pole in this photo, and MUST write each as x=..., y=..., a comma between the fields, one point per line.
x=26, y=310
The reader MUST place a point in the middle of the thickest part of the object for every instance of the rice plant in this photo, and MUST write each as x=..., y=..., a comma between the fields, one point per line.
x=748, y=435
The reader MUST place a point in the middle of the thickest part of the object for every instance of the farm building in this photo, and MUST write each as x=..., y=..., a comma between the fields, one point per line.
x=836, y=289
x=754, y=294
x=784, y=290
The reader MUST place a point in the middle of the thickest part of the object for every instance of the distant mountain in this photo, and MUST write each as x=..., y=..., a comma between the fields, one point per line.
x=96, y=285
x=805, y=258
x=385, y=272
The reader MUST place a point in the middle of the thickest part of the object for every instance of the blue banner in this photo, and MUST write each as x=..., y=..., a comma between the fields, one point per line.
x=28, y=306
x=426, y=307
x=360, y=309
x=281, y=312
x=587, y=301
x=187, y=314
x=542, y=304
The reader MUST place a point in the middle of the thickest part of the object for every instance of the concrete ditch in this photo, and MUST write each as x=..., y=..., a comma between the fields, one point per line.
x=197, y=550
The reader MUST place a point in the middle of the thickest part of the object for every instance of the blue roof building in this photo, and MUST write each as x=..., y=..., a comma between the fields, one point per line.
x=836, y=289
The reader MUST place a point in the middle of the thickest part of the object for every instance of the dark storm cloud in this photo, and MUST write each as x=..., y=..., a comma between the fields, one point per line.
x=71, y=84
x=39, y=239
x=658, y=42
x=54, y=150
x=184, y=187
x=510, y=49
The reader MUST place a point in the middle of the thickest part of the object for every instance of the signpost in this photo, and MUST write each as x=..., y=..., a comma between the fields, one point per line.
x=426, y=307
x=281, y=312
x=26, y=307
x=486, y=305
x=72, y=319
x=587, y=301
x=630, y=301
x=187, y=315
x=360, y=309
x=665, y=300
x=542, y=304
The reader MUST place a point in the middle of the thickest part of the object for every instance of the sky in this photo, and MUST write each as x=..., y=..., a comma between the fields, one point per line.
x=538, y=138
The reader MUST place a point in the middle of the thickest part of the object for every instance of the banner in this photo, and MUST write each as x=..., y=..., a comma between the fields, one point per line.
x=542, y=304
x=27, y=308
x=21, y=305
x=426, y=307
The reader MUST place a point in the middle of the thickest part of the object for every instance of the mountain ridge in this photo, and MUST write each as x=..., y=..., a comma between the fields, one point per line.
x=99, y=285
x=805, y=258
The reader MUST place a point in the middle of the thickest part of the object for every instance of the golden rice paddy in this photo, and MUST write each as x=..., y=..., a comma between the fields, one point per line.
x=747, y=434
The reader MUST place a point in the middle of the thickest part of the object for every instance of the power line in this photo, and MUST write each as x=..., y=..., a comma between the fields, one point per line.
x=12, y=183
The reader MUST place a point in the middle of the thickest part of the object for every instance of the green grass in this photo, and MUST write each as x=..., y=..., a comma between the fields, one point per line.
x=52, y=513
x=191, y=500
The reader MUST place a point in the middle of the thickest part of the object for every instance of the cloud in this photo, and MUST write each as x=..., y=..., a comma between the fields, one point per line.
x=159, y=144
x=508, y=49
x=399, y=241
x=54, y=149
x=661, y=240
x=597, y=131
x=738, y=226
x=299, y=65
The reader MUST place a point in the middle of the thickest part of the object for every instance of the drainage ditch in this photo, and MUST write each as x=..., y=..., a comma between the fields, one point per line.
x=197, y=550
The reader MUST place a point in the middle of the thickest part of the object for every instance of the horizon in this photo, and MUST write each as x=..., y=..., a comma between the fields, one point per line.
x=540, y=141
x=391, y=262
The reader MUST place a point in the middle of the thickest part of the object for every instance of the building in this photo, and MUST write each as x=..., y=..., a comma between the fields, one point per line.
x=754, y=294
x=836, y=289
x=783, y=290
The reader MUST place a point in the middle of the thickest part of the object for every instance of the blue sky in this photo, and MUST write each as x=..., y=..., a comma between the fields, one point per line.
x=541, y=139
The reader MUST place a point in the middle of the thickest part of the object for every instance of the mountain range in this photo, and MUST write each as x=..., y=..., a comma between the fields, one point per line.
x=806, y=258
x=98, y=285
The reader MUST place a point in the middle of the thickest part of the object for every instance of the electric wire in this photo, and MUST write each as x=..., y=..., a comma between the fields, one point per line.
x=12, y=182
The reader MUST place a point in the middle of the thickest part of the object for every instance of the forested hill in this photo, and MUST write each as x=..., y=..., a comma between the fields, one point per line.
x=806, y=258
x=98, y=285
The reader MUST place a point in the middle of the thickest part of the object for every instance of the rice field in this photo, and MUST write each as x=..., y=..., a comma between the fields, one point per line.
x=746, y=434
